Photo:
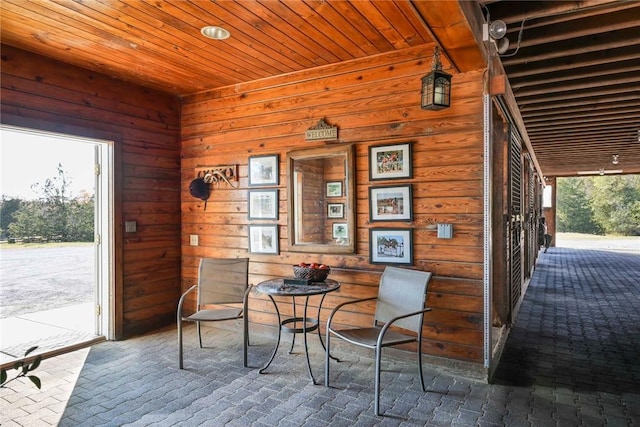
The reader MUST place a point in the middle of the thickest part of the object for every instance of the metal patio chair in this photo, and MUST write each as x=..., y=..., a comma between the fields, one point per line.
x=223, y=292
x=400, y=303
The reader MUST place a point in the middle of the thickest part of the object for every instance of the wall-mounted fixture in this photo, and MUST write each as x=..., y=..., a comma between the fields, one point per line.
x=445, y=231
x=436, y=86
x=218, y=174
x=614, y=159
x=130, y=226
x=215, y=33
x=497, y=32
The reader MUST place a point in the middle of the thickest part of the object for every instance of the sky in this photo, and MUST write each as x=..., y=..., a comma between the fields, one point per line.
x=28, y=158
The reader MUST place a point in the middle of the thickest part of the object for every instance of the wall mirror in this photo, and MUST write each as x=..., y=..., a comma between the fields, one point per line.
x=321, y=200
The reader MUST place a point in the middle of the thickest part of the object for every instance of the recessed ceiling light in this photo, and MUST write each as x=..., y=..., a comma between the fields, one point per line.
x=215, y=33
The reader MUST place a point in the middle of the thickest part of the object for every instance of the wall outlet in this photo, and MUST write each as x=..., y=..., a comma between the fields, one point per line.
x=193, y=240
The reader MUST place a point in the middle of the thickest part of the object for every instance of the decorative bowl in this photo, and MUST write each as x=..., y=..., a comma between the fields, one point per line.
x=313, y=274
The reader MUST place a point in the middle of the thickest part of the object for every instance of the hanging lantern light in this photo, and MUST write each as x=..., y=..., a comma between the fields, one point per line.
x=436, y=86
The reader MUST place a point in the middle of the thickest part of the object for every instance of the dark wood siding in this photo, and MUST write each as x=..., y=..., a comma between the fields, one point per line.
x=372, y=101
x=40, y=93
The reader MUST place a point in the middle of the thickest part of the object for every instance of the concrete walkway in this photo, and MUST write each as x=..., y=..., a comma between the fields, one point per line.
x=572, y=359
x=50, y=330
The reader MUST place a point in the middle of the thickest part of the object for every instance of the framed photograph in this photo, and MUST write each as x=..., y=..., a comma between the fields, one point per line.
x=263, y=239
x=263, y=170
x=390, y=161
x=335, y=210
x=263, y=204
x=334, y=189
x=390, y=246
x=340, y=230
x=390, y=203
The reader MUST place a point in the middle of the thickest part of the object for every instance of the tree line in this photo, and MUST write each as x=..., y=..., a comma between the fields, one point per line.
x=55, y=215
x=605, y=205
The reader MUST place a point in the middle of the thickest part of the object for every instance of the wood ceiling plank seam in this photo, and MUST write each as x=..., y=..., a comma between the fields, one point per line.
x=565, y=96
x=317, y=30
x=575, y=130
x=579, y=84
x=541, y=106
x=576, y=133
x=249, y=35
x=372, y=14
x=423, y=34
x=608, y=72
x=272, y=26
x=584, y=111
x=346, y=28
x=505, y=10
x=220, y=60
x=585, y=115
x=621, y=55
x=574, y=47
x=567, y=124
x=598, y=20
x=368, y=30
x=400, y=23
x=94, y=63
x=68, y=23
x=618, y=141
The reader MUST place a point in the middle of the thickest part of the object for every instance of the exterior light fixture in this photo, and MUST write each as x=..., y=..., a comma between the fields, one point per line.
x=436, y=86
x=215, y=33
x=614, y=159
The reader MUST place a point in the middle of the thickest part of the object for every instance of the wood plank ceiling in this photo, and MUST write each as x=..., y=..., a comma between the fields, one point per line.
x=575, y=72
x=574, y=68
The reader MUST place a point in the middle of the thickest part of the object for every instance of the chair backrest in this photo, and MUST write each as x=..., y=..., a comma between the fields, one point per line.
x=402, y=291
x=222, y=280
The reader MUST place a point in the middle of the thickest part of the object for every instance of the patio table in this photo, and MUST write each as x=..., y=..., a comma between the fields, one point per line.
x=297, y=325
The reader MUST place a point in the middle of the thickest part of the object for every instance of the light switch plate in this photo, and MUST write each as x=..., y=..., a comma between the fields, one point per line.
x=445, y=231
x=193, y=240
x=130, y=226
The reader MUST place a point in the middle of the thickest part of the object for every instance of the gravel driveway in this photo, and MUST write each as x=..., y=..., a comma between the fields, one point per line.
x=43, y=278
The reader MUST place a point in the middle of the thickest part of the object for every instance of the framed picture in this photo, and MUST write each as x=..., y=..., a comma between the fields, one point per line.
x=263, y=239
x=390, y=161
x=334, y=189
x=340, y=230
x=263, y=170
x=390, y=203
x=390, y=246
x=263, y=204
x=335, y=210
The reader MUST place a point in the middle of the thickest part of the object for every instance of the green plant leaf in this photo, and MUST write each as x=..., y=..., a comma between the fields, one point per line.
x=35, y=363
x=3, y=376
x=18, y=365
x=26, y=353
x=35, y=380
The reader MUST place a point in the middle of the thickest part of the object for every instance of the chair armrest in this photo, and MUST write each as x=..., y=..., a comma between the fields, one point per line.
x=245, y=299
x=339, y=306
x=183, y=297
x=395, y=319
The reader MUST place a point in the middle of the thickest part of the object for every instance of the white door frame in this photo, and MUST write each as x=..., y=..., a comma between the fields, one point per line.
x=103, y=224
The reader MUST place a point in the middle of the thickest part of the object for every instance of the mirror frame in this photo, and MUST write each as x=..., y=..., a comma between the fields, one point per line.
x=349, y=210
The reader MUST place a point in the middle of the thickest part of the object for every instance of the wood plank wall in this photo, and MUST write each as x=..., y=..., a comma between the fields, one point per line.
x=372, y=101
x=48, y=95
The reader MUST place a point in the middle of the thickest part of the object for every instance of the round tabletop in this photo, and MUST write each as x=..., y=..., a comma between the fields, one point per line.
x=278, y=287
